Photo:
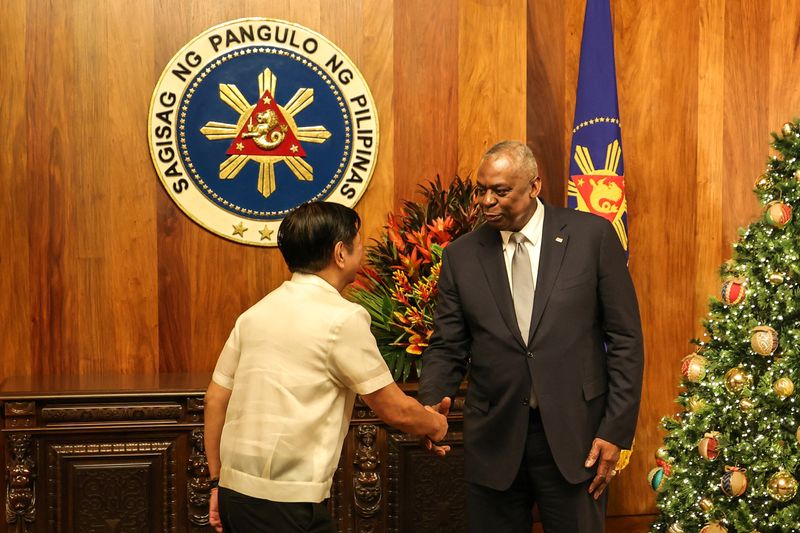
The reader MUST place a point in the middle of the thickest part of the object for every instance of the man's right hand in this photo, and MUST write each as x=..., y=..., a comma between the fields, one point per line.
x=441, y=409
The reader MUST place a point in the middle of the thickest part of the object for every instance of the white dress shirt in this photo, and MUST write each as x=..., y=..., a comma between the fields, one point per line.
x=295, y=362
x=533, y=232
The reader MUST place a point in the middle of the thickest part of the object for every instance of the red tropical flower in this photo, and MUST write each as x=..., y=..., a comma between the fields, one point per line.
x=398, y=285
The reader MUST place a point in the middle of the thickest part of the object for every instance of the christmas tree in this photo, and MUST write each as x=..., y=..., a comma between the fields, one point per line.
x=729, y=461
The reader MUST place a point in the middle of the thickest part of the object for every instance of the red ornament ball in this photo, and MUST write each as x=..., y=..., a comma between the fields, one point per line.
x=709, y=446
x=778, y=214
x=734, y=290
x=693, y=367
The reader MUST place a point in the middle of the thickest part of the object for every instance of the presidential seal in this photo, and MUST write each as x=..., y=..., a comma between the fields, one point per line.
x=255, y=117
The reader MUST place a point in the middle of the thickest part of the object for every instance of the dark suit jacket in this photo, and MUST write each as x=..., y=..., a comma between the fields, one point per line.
x=584, y=352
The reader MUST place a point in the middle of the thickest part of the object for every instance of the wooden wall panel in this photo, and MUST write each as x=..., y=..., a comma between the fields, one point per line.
x=491, y=85
x=546, y=118
x=15, y=222
x=657, y=94
x=783, y=97
x=377, y=65
x=50, y=56
x=746, y=131
x=426, y=93
x=710, y=249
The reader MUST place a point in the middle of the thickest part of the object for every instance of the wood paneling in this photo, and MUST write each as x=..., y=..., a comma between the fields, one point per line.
x=658, y=93
x=547, y=121
x=101, y=272
x=425, y=100
x=491, y=84
x=16, y=283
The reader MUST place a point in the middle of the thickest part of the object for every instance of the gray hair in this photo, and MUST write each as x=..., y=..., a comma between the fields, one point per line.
x=519, y=153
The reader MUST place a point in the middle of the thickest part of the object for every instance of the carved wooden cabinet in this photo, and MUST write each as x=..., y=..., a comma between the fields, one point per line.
x=386, y=482
x=113, y=454
x=122, y=454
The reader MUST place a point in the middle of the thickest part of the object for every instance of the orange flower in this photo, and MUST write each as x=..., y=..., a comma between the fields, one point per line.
x=442, y=228
x=410, y=262
x=414, y=317
x=393, y=230
x=423, y=291
x=413, y=349
x=360, y=285
x=401, y=280
x=400, y=296
x=402, y=319
x=417, y=345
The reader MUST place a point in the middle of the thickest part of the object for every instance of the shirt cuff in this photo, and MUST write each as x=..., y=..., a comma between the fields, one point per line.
x=222, y=380
x=371, y=385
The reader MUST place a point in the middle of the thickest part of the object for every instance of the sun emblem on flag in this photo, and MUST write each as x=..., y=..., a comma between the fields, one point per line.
x=265, y=133
x=601, y=190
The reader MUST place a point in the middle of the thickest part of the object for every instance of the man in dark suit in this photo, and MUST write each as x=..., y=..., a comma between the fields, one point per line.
x=538, y=305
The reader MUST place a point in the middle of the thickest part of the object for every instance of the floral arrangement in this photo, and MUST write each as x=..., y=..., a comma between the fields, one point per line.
x=399, y=283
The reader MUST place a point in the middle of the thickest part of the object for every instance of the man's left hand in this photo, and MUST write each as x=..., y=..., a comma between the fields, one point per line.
x=605, y=455
x=213, y=511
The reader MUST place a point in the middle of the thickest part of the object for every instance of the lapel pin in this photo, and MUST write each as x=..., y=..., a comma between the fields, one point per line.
x=559, y=239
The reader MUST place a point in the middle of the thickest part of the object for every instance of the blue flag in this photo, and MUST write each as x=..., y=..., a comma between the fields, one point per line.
x=596, y=182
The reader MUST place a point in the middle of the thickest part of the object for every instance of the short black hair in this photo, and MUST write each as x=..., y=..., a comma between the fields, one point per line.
x=308, y=235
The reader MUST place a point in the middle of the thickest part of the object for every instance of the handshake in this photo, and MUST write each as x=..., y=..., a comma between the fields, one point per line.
x=439, y=429
x=405, y=413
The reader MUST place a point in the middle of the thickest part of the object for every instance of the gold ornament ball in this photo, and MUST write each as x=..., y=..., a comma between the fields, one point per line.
x=776, y=278
x=736, y=379
x=746, y=404
x=783, y=387
x=733, y=482
x=788, y=128
x=764, y=340
x=706, y=504
x=714, y=527
x=782, y=486
x=797, y=435
x=675, y=528
x=797, y=175
x=763, y=182
x=696, y=404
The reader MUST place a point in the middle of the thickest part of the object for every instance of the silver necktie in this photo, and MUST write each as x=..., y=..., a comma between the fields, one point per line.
x=522, y=293
x=522, y=285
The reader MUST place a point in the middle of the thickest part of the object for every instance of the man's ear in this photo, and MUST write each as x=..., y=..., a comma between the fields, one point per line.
x=536, y=186
x=338, y=254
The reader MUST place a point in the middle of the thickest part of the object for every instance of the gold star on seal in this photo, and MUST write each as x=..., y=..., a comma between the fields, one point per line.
x=240, y=146
x=266, y=233
x=294, y=148
x=267, y=100
x=239, y=229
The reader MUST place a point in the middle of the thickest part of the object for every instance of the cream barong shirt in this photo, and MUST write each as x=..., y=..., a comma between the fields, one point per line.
x=294, y=362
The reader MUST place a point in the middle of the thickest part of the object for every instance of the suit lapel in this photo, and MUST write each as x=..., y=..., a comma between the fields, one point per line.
x=494, y=268
x=553, y=246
